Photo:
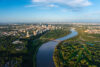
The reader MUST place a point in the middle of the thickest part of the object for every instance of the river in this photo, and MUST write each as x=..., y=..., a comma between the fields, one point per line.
x=45, y=52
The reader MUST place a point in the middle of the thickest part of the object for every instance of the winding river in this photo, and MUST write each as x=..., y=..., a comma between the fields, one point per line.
x=45, y=52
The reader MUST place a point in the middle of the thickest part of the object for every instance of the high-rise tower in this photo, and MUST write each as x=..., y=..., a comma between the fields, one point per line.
x=27, y=35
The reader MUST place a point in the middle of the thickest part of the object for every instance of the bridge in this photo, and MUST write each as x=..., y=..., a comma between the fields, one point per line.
x=57, y=40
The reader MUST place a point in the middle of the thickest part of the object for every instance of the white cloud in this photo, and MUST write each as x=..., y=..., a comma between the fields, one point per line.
x=39, y=5
x=72, y=3
x=52, y=5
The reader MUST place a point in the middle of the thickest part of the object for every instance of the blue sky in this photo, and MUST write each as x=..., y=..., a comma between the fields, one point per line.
x=49, y=11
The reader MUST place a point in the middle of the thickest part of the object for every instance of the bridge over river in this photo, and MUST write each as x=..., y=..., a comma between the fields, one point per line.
x=45, y=52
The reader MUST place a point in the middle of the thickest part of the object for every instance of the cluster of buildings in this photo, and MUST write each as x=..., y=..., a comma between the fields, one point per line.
x=94, y=31
x=27, y=30
x=13, y=33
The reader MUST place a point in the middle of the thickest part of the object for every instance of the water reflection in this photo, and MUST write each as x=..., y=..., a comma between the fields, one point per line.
x=45, y=52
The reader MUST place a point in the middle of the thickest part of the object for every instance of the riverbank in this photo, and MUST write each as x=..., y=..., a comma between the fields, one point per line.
x=45, y=52
x=33, y=46
x=80, y=51
x=54, y=34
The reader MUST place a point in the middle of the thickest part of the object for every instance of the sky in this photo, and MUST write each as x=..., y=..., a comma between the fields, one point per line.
x=49, y=11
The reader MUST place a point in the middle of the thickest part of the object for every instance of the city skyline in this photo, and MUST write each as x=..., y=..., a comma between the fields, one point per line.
x=49, y=11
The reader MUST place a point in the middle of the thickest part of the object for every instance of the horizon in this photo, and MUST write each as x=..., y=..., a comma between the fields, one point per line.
x=12, y=11
x=6, y=23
